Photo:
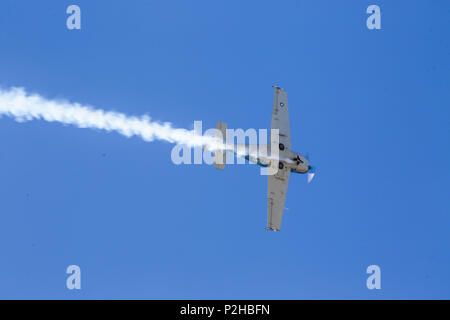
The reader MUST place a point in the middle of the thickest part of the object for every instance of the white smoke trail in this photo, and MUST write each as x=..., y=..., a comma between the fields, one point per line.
x=18, y=104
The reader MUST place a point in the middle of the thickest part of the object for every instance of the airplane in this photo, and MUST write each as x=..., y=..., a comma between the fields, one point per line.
x=288, y=161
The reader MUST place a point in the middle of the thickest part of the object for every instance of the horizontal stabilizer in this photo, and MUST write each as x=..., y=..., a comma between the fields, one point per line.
x=220, y=155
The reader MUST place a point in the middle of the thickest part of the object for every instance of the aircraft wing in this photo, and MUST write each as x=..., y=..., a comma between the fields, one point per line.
x=280, y=117
x=278, y=184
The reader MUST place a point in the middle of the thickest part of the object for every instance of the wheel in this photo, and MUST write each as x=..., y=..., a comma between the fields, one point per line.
x=281, y=146
x=280, y=165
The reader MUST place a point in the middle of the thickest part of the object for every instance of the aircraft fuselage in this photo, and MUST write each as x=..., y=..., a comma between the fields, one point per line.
x=261, y=155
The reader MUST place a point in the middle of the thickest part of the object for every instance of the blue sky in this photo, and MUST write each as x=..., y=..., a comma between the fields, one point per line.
x=371, y=107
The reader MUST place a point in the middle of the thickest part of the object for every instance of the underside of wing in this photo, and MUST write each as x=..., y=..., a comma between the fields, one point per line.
x=280, y=117
x=277, y=188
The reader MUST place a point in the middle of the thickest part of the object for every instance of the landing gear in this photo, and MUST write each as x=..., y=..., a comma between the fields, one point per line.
x=281, y=146
x=280, y=165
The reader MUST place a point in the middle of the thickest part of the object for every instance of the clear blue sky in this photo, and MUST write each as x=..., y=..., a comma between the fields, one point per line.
x=370, y=107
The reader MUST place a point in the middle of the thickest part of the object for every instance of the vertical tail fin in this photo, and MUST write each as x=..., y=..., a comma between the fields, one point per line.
x=220, y=155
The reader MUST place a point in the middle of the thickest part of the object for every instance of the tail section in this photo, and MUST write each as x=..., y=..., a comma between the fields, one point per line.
x=220, y=155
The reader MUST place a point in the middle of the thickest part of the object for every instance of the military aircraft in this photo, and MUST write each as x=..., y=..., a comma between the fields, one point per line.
x=287, y=161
